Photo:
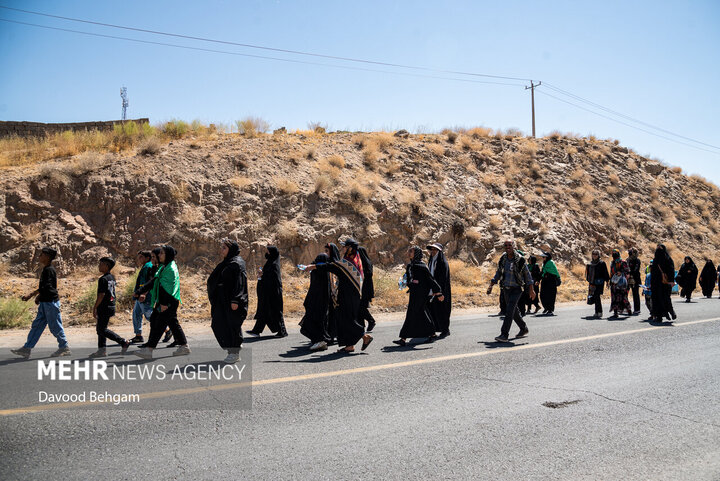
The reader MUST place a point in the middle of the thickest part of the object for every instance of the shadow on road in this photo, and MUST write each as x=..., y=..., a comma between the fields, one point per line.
x=496, y=344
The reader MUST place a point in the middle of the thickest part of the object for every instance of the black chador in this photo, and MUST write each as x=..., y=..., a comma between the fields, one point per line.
x=318, y=304
x=707, y=278
x=440, y=270
x=349, y=327
x=687, y=278
x=228, y=285
x=270, y=296
x=662, y=273
x=418, y=322
x=368, y=289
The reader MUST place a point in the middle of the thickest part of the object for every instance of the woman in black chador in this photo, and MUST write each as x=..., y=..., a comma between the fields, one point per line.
x=270, y=296
x=440, y=270
x=368, y=289
x=662, y=273
x=228, y=295
x=349, y=327
x=418, y=322
x=318, y=307
x=687, y=278
x=707, y=278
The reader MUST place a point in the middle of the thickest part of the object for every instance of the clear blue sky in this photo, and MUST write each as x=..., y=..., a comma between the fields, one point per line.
x=655, y=61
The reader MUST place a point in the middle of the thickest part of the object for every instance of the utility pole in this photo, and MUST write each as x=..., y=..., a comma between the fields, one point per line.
x=532, y=100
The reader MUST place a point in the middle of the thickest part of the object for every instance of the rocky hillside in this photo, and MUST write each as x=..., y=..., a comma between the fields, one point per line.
x=468, y=190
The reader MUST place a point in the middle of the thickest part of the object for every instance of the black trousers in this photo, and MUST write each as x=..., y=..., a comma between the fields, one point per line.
x=161, y=320
x=260, y=326
x=512, y=298
x=636, y=297
x=597, y=298
x=503, y=304
x=104, y=333
x=227, y=328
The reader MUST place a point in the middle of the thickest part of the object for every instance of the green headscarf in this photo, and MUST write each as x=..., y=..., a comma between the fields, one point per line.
x=168, y=277
x=550, y=267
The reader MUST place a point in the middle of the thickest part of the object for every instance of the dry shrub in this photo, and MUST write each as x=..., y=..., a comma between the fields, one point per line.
x=336, y=161
x=555, y=135
x=473, y=235
x=382, y=140
x=614, y=179
x=240, y=181
x=329, y=170
x=571, y=150
x=288, y=232
x=578, y=270
x=31, y=232
x=528, y=147
x=464, y=274
x=358, y=192
x=436, y=149
x=322, y=183
x=191, y=215
x=286, y=186
x=479, y=132
x=578, y=174
x=632, y=165
x=612, y=190
x=467, y=143
x=495, y=222
x=450, y=135
x=392, y=167
x=693, y=220
x=407, y=196
x=535, y=171
x=252, y=126
x=180, y=191
x=370, y=158
x=310, y=153
x=150, y=146
x=676, y=170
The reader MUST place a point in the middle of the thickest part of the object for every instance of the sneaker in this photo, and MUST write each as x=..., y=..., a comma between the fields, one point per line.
x=523, y=333
x=145, y=353
x=102, y=352
x=502, y=338
x=61, y=352
x=22, y=352
x=636, y=313
x=231, y=358
x=168, y=336
x=137, y=339
x=319, y=346
x=182, y=351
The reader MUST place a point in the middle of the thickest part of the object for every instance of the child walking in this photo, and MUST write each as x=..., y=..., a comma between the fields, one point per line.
x=48, y=313
x=104, y=309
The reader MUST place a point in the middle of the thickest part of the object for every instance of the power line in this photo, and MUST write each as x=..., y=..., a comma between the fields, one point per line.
x=577, y=97
x=262, y=47
x=345, y=67
x=626, y=124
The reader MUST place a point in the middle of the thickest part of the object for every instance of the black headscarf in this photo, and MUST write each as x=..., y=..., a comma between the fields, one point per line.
x=233, y=248
x=366, y=264
x=532, y=260
x=352, y=243
x=272, y=254
x=547, y=256
x=170, y=254
x=664, y=261
x=334, y=252
x=417, y=254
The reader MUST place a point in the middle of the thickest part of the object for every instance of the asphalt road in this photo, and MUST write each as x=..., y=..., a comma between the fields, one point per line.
x=641, y=402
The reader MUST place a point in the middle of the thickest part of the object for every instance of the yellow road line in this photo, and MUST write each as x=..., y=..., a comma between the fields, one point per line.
x=343, y=372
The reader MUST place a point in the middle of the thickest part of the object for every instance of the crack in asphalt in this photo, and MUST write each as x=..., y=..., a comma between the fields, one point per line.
x=603, y=396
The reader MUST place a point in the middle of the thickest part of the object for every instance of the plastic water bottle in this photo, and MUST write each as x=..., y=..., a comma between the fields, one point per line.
x=402, y=283
x=302, y=267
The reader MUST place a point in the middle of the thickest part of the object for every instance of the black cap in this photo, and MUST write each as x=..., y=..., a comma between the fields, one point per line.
x=51, y=253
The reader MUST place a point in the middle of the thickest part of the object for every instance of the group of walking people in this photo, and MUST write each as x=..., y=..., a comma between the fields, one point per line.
x=341, y=291
x=624, y=276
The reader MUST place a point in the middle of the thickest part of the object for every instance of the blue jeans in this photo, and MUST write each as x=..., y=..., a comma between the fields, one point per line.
x=48, y=314
x=140, y=309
